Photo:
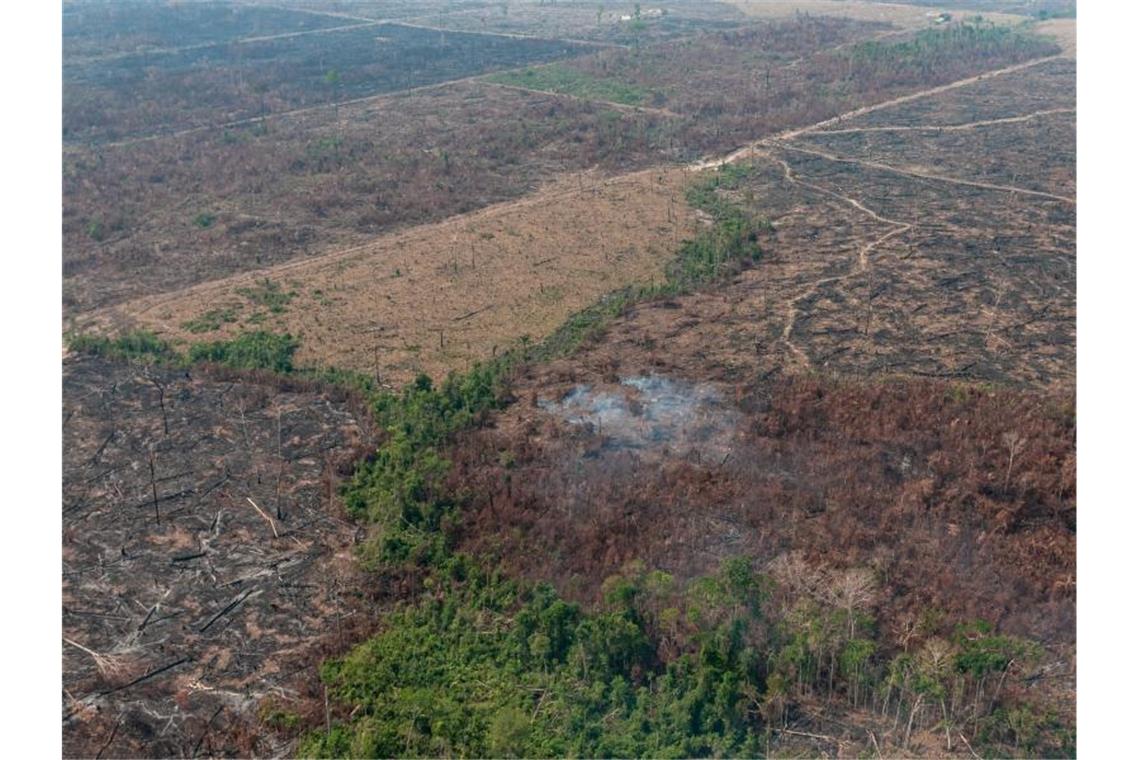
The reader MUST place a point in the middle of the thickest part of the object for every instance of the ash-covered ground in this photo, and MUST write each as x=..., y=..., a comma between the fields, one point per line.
x=207, y=568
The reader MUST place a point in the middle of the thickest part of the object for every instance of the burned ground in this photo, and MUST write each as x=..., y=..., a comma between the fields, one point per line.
x=890, y=387
x=204, y=86
x=679, y=471
x=189, y=613
x=1045, y=87
x=306, y=186
x=101, y=30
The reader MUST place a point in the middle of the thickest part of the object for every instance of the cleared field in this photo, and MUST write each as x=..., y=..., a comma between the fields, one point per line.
x=165, y=214
x=100, y=29
x=743, y=85
x=442, y=296
x=874, y=269
x=187, y=612
x=1035, y=154
x=611, y=22
x=168, y=214
x=907, y=15
x=154, y=93
x=1045, y=87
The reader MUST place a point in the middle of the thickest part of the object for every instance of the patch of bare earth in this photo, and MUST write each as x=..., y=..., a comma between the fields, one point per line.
x=206, y=564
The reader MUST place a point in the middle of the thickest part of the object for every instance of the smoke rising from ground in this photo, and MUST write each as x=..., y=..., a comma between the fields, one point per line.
x=653, y=415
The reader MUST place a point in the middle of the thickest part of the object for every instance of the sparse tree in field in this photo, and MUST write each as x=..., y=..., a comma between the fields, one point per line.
x=1014, y=444
x=853, y=591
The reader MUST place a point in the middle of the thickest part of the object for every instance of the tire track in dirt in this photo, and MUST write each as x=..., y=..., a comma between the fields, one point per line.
x=858, y=266
x=222, y=43
x=953, y=127
x=930, y=176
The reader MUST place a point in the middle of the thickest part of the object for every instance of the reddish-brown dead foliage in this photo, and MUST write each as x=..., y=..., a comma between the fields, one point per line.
x=912, y=478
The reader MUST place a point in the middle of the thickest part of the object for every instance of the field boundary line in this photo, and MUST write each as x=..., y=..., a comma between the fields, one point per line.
x=582, y=99
x=924, y=175
x=509, y=35
x=949, y=127
x=204, y=45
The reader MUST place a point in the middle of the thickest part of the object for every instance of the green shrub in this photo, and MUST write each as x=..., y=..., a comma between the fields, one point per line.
x=256, y=350
x=205, y=220
x=141, y=345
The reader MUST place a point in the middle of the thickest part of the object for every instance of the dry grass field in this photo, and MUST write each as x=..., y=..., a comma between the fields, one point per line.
x=442, y=296
x=167, y=214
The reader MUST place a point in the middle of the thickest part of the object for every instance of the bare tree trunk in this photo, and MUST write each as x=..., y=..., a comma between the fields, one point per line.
x=910, y=721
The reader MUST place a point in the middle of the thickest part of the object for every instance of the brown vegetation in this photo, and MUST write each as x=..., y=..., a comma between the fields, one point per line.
x=963, y=500
x=329, y=180
x=444, y=296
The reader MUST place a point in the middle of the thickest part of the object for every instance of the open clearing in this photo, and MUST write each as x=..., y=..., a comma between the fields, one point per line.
x=171, y=213
x=101, y=30
x=212, y=85
x=918, y=268
x=900, y=14
x=442, y=296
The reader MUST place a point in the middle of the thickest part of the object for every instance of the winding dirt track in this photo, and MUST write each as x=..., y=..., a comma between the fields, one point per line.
x=860, y=265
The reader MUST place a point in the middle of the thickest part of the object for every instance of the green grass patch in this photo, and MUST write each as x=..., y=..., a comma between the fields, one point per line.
x=568, y=81
x=253, y=351
x=211, y=321
x=268, y=294
x=137, y=345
